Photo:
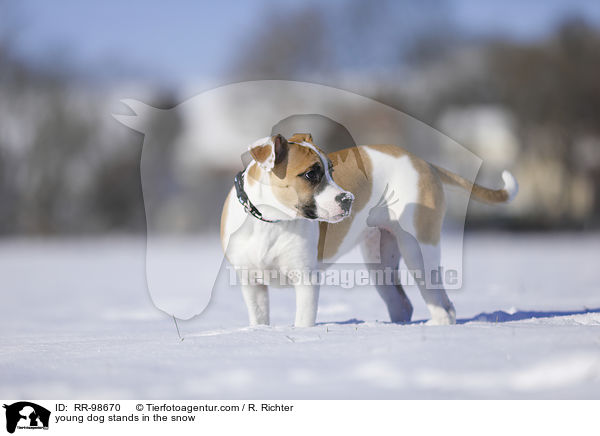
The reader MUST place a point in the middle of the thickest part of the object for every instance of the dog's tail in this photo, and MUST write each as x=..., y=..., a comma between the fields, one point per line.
x=504, y=195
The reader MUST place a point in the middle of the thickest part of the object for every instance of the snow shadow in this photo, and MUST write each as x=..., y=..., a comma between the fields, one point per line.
x=492, y=317
x=350, y=321
x=501, y=316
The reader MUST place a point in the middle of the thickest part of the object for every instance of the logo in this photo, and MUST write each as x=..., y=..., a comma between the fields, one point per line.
x=26, y=415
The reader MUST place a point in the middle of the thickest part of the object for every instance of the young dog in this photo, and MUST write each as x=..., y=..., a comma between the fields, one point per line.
x=294, y=207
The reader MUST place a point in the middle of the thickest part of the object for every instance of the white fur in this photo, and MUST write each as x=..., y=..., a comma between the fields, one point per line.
x=510, y=185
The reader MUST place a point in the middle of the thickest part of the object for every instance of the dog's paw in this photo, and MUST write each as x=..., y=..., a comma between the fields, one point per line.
x=441, y=316
x=441, y=321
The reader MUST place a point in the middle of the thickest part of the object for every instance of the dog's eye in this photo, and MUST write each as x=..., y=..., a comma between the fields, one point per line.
x=312, y=176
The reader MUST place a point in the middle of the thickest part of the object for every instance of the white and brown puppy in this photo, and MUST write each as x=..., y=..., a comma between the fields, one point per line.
x=294, y=207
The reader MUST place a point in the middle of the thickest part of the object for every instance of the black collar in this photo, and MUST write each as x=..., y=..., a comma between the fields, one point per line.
x=238, y=181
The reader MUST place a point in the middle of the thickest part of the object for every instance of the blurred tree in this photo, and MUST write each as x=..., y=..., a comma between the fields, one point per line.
x=319, y=42
x=285, y=46
x=552, y=87
x=555, y=82
x=53, y=159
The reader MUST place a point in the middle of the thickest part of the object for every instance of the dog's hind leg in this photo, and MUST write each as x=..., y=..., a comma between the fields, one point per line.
x=440, y=307
x=257, y=301
x=424, y=261
x=381, y=246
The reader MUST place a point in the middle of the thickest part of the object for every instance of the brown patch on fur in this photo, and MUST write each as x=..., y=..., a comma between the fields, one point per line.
x=431, y=206
x=224, y=217
x=261, y=153
x=287, y=187
x=352, y=172
x=477, y=191
x=390, y=150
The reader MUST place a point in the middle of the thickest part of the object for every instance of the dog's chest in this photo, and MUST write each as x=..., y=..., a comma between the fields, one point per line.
x=284, y=245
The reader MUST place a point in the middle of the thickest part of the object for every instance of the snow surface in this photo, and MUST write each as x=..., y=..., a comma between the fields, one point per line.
x=77, y=322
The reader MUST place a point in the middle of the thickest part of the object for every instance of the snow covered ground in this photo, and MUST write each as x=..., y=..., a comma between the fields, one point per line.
x=76, y=321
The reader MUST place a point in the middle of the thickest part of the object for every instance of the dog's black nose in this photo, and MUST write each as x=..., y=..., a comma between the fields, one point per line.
x=345, y=200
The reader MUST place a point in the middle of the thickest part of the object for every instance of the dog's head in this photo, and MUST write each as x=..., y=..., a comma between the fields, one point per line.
x=295, y=177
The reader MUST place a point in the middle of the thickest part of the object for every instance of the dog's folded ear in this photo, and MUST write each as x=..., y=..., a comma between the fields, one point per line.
x=269, y=151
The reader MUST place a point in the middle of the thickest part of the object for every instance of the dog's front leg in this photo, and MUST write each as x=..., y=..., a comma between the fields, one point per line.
x=307, y=300
x=257, y=302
